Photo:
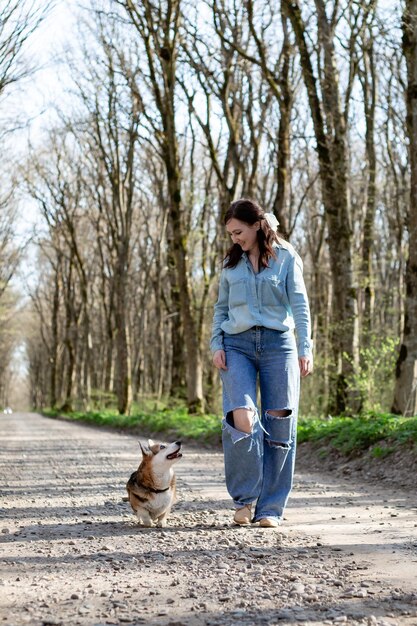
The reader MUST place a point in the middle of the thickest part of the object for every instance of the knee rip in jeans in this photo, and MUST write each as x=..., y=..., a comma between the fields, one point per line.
x=279, y=414
x=242, y=421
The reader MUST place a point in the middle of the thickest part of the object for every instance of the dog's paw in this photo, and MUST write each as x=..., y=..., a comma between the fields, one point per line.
x=161, y=523
x=144, y=520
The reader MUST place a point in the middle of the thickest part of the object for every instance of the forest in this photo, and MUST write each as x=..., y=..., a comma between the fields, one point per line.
x=170, y=110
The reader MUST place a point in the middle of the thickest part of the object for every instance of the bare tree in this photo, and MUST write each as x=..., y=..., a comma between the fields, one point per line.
x=330, y=127
x=405, y=397
x=109, y=127
x=9, y=338
x=10, y=254
x=54, y=184
x=368, y=78
x=18, y=20
x=158, y=32
x=276, y=65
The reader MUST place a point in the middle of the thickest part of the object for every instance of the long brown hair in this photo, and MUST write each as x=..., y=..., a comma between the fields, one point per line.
x=249, y=211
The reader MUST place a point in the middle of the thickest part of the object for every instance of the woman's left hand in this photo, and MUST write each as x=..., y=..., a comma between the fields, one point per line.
x=306, y=365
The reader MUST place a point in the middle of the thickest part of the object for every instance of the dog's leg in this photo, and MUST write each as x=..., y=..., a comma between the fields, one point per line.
x=162, y=519
x=144, y=517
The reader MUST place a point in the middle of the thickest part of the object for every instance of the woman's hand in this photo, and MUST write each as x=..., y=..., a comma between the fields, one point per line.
x=219, y=360
x=306, y=365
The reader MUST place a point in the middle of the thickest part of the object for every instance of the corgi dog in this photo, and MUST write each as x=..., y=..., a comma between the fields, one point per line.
x=151, y=489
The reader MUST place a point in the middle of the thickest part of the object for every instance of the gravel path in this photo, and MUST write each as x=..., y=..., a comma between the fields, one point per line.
x=72, y=553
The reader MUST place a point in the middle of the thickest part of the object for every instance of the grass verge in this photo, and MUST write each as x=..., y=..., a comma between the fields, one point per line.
x=170, y=424
x=382, y=433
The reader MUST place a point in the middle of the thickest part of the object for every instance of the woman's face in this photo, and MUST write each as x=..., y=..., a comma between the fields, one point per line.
x=245, y=235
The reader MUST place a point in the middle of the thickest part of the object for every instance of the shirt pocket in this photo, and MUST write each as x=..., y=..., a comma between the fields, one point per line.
x=273, y=291
x=237, y=293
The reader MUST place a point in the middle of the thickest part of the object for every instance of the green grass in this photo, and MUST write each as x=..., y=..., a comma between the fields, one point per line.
x=175, y=423
x=351, y=436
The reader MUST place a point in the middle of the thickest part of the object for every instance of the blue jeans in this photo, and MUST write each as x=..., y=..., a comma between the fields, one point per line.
x=259, y=466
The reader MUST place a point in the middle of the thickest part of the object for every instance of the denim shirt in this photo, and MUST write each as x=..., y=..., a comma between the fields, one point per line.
x=276, y=298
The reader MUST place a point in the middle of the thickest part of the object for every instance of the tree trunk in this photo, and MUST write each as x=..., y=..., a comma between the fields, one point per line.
x=123, y=356
x=331, y=149
x=176, y=329
x=108, y=363
x=69, y=376
x=71, y=336
x=55, y=338
x=193, y=360
x=123, y=376
x=405, y=396
x=367, y=290
x=280, y=207
x=160, y=35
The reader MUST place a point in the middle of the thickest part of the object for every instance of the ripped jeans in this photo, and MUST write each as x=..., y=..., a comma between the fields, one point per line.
x=259, y=465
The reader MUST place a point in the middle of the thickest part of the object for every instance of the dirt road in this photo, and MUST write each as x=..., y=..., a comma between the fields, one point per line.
x=72, y=553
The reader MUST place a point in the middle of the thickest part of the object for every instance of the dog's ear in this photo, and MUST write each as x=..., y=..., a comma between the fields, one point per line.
x=151, y=443
x=145, y=449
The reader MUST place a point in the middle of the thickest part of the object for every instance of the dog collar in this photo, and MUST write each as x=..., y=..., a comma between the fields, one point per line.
x=157, y=490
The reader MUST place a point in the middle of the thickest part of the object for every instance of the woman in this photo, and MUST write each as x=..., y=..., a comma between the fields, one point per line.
x=262, y=299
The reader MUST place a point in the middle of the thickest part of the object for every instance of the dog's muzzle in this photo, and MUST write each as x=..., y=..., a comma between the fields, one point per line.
x=177, y=453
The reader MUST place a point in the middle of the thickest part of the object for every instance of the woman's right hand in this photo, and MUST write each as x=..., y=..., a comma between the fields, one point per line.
x=219, y=360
